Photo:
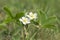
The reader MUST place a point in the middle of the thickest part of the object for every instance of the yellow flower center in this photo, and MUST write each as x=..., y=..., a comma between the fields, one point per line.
x=25, y=20
x=32, y=16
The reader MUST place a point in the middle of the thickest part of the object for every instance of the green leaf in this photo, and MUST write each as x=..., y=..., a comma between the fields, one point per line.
x=49, y=23
x=8, y=12
x=8, y=20
x=51, y=20
x=2, y=26
x=49, y=26
x=34, y=22
x=42, y=17
x=19, y=15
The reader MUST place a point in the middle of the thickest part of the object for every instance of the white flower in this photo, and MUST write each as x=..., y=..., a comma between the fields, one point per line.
x=32, y=15
x=24, y=20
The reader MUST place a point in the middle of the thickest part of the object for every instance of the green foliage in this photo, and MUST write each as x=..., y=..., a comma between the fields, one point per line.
x=19, y=15
x=8, y=12
x=45, y=27
x=42, y=17
x=7, y=20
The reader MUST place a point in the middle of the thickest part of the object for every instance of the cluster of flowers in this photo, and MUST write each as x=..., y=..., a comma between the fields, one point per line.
x=28, y=17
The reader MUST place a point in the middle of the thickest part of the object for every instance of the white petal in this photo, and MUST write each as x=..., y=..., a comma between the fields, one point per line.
x=30, y=13
x=23, y=18
x=35, y=14
x=28, y=16
x=20, y=19
x=28, y=22
x=24, y=23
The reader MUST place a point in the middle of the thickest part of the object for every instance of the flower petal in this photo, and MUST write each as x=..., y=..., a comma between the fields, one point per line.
x=35, y=14
x=28, y=22
x=23, y=18
x=20, y=19
x=30, y=13
x=24, y=23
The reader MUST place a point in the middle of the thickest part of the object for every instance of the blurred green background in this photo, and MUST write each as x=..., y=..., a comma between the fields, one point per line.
x=50, y=7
